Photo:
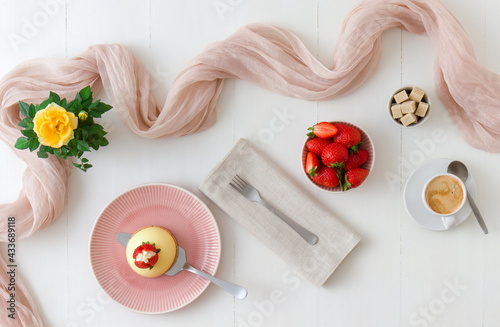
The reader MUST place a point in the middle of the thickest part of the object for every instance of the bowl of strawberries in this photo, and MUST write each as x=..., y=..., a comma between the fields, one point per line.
x=337, y=156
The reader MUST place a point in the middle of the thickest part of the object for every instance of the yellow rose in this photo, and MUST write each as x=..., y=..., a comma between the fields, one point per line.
x=54, y=126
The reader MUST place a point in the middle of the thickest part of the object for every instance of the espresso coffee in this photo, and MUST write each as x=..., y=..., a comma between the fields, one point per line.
x=444, y=194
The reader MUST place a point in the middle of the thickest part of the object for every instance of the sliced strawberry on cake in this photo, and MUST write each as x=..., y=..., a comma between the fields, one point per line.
x=146, y=255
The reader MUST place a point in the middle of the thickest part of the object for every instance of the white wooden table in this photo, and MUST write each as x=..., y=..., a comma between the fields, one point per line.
x=399, y=275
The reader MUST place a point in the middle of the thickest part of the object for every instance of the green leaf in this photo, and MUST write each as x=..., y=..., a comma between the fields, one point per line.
x=63, y=103
x=78, y=134
x=26, y=123
x=98, y=130
x=95, y=104
x=97, y=127
x=72, y=147
x=46, y=102
x=83, y=146
x=95, y=113
x=86, y=103
x=72, y=143
x=64, y=151
x=103, y=107
x=84, y=160
x=103, y=142
x=78, y=107
x=82, y=166
x=42, y=154
x=57, y=153
x=94, y=144
x=73, y=152
x=32, y=110
x=55, y=98
x=85, y=133
x=74, y=107
x=85, y=93
x=21, y=143
x=33, y=144
x=28, y=133
x=71, y=105
x=47, y=149
x=24, y=108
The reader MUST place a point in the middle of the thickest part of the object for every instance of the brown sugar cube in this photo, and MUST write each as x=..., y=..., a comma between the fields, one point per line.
x=417, y=94
x=408, y=107
x=422, y=109
x=401, y=96
x=396, y=111
x=408, y=119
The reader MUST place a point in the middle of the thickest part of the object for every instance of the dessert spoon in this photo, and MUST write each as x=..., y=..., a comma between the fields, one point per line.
x=181, y=264
x=458, y=169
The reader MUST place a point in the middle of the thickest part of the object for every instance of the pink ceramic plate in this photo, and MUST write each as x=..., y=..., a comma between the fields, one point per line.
x=174, y=208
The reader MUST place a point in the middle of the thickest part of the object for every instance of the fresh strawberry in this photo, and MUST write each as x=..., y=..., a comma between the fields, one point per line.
x=348, y=136
x=356, y=159
x=327, y=177
x=354, y=178
x=334, y=155
x=316, y=145
x=145, y=249
x=312, y=164
x=324, y=130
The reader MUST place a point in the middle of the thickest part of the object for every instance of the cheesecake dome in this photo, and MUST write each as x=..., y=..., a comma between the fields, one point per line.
x=163, y=240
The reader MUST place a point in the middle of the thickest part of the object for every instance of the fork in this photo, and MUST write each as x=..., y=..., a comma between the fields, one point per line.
x=251, y=193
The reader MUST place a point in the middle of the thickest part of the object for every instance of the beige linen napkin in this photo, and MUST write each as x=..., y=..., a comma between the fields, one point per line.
x=314, y=262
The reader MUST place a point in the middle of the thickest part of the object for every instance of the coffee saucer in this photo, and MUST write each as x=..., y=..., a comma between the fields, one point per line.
x=412, y=195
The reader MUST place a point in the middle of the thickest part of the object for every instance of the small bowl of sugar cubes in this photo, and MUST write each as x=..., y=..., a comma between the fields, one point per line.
x=409, y=106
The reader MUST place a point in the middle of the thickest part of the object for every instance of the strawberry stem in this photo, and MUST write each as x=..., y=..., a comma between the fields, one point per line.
x=313, y=171
x=311, y=133
x=355, y=148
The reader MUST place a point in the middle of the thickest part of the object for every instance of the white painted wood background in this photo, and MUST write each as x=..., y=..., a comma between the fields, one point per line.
x=399, y=275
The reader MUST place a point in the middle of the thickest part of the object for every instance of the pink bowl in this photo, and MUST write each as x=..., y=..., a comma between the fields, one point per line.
x=367, y=145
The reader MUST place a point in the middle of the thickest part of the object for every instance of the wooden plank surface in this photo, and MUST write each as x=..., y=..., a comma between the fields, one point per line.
x=399, y=275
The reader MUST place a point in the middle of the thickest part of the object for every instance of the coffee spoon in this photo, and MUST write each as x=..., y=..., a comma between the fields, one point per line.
x=458, y=169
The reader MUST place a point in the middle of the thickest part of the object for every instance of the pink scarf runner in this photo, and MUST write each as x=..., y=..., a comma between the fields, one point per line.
x=268, y=56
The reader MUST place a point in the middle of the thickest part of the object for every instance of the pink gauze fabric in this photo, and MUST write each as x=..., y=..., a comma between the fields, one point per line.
x=268, y=56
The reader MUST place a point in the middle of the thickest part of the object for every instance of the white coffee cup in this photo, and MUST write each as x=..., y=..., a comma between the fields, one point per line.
x=443, y=196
